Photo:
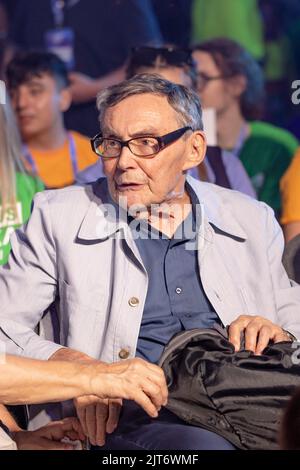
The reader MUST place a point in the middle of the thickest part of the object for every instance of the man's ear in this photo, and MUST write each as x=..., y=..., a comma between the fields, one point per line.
x=65, y=99
x=196, y=150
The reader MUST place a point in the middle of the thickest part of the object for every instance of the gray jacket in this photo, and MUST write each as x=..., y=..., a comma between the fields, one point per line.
x=73, y=254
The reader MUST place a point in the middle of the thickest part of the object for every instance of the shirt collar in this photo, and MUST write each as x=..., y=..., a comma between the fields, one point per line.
x=104, y=217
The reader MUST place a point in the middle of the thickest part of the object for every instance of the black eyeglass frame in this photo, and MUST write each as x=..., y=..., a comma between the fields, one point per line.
x=163, y=141
x=174, y=56
x=206, y=78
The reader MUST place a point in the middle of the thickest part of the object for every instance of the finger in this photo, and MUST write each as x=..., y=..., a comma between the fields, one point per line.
x=75, y=433
x=101, y=419
x=263, y=340
x=48, y=444
x=235, y=330
x=144, y=401
x=160, y=380
x=81, y=413
x=251, y=333
x=54, y=431
x=154, y=393
x=73, y=425
x=281, y=336
x=113, y=417
x=91, y=423
x=163, y=391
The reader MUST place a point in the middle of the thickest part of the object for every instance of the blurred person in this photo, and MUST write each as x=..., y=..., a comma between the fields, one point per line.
x=93, y=36
x=232, y=19
x=135, y=291
x=17, y=188
x=6, y=49
x=39, y=89
x=177, y=65
x=24, y=381
x=230, y=81
x=290, y=192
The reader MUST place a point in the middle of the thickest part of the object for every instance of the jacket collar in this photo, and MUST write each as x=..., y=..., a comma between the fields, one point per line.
x=216, y=212
x=104, y=217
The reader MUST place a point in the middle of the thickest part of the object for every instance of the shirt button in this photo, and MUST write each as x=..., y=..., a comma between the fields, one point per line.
x=124, y=354
x=133, y=301
x=178, y=290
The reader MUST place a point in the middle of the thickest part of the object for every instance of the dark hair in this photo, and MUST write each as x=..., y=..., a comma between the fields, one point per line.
x=232, y=59
x=162, y=57
x=26, y=65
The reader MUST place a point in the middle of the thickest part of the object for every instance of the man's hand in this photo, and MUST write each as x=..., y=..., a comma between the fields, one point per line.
x=97, y=417
x=258, y=332
x=134, y=379
x=49, y=437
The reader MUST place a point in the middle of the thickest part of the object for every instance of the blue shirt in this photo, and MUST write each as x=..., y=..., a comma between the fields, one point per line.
x=175, y=299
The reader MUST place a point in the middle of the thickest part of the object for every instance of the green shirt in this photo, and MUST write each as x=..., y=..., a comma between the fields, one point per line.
x=14, y=217
x=239, y=20
x=266, y=155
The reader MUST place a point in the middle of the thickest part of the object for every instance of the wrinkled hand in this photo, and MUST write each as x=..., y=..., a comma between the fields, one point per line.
x=98, y=417
x=258, y=332
x=133, y=379
x=49, y=437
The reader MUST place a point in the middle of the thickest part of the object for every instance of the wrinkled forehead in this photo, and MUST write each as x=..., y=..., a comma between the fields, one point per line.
x=143, y=111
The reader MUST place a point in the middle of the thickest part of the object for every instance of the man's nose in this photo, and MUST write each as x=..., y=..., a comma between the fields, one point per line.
x=126, y=159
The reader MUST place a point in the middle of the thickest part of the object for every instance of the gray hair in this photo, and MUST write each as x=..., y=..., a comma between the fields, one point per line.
x=183, y=100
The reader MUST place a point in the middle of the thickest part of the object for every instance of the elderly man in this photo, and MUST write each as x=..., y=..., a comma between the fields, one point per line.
x=133, y=259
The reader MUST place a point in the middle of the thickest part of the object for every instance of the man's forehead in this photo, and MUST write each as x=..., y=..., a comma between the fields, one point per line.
x=147, y=111
x=39, y=78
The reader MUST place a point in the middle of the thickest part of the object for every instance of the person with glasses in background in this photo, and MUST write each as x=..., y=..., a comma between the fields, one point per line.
x=133, y=259
x=178, y=66
x=231, y=82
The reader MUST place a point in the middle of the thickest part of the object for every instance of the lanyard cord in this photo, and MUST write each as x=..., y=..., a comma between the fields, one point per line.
x=239, y=143
x=58, y=9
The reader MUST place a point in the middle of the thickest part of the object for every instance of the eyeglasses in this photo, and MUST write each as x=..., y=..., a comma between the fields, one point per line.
x=203, y=79
x=144, y=146
x=146, y=56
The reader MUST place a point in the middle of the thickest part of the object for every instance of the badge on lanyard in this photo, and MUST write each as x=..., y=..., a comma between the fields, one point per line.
x=60, y=40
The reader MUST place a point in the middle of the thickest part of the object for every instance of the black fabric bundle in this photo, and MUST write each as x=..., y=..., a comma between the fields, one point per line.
x=237, y=395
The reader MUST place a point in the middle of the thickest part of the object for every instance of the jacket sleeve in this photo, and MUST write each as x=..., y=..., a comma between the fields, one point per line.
x=28, y=285
x=286, y=291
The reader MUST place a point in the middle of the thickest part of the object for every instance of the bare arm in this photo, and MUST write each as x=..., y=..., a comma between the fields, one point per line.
x=8, y=420
x=291, y=230
x=85, y=89
x=70, y=374
x=25, y=380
